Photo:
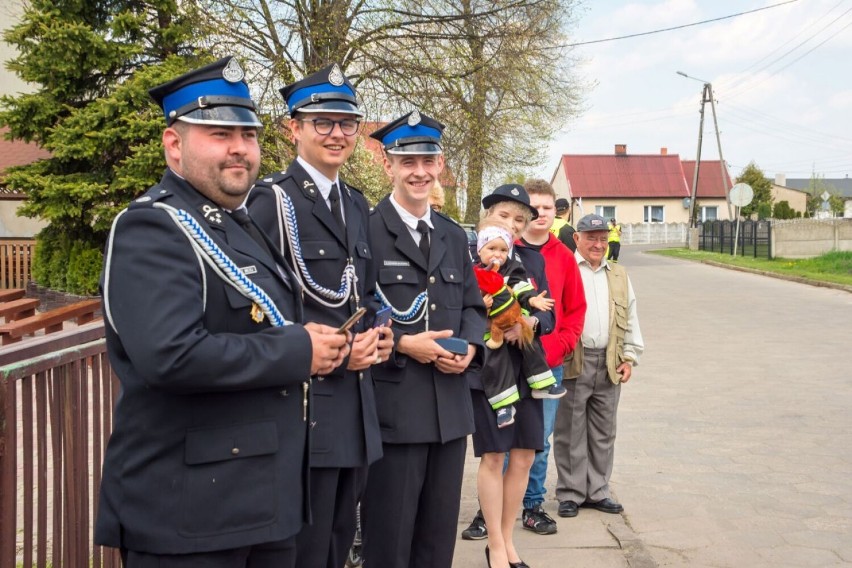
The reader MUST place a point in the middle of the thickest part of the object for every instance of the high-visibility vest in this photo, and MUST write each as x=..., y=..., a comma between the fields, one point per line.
x=614, y=233
x=558, y=223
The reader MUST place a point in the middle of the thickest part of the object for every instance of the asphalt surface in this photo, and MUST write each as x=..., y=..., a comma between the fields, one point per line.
x=734, y=445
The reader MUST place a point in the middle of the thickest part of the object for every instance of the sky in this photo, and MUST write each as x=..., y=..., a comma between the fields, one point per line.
x=781, y=77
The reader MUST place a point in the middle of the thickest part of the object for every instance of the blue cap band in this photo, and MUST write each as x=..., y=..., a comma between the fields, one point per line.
x=406, y=131
x=214, y=87
x=324, y=88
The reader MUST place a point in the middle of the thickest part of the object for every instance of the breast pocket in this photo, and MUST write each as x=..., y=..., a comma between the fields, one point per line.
x=452, y=290
x=230, y=474
x=321, y=250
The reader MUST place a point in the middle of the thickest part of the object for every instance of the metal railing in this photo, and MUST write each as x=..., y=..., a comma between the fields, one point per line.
x=57, y=395
x=754, y=238
x=16, y=262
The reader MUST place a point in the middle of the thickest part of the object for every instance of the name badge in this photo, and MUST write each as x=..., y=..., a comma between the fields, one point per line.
x=396, y=263
x=249, y=269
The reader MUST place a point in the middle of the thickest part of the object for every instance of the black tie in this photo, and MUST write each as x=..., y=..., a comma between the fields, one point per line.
x=423, y=229
x=245, y=222
x=334, y=204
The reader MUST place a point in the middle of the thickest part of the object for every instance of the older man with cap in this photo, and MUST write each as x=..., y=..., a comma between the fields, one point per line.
x=411, y=505
x=320, y=224
x=584, y=433
x=207, y=460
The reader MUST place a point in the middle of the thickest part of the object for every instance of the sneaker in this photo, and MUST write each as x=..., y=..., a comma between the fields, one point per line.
x=553, y=391
x=477, y=529
x=505, y=416
x=537, y=521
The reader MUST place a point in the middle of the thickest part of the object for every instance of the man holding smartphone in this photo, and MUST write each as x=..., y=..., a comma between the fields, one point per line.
x=319, y=223
x=411, y=504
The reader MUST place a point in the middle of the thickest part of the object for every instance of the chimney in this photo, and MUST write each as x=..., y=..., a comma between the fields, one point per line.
x=664, y=151
x=621, y=149
x=781, y=179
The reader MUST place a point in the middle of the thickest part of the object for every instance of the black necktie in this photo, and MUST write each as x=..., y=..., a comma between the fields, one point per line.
x=245, y=222
x=423, y=229
x=334, y=204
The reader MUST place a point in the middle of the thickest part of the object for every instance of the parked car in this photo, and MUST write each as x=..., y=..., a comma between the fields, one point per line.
x=471, y=238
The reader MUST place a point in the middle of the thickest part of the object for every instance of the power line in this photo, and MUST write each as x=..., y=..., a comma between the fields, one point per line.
x=677, y=27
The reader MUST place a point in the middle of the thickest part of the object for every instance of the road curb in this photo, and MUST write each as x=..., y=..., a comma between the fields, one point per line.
x=799, y=279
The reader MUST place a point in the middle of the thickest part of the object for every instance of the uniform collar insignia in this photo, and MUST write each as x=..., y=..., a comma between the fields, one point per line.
x=232, y=72
x=212, y=214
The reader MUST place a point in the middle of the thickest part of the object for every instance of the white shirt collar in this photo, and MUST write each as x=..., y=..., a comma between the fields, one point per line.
x=323, y=183
x=583, y=262
x=409, y=219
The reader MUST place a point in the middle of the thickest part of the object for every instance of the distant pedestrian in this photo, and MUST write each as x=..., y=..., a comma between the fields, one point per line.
x=561, y=227
x=614, y=240
x=584, y=434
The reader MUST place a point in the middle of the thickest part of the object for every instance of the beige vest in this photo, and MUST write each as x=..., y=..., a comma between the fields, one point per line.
x=616, y=277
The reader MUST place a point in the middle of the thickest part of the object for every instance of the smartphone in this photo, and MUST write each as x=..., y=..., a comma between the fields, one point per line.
x=353, y=319
x=383, y=317
x=455, y=345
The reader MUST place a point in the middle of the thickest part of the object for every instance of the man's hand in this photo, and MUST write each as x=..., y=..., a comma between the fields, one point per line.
x=541, y=303
x=364, y=350
x=328, y=348
x=422, y=347
x=455, y=364
x=625, y=370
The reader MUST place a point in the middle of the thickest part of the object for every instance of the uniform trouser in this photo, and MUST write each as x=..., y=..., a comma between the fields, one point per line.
x=334, y=496
x=281, y=554
x=584, y=433
x=410, y=509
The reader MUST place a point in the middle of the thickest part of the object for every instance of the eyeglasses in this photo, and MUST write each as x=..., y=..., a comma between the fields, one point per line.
x=324, y=126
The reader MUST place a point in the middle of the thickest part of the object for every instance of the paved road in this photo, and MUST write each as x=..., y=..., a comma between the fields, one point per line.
x=734, y=445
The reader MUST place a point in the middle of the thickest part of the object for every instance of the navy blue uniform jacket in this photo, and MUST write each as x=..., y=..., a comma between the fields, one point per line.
x=209, y=446
x=416, y=402
x=345, y=428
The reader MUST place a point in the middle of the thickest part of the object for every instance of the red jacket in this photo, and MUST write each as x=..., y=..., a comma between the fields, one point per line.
x=566, y=287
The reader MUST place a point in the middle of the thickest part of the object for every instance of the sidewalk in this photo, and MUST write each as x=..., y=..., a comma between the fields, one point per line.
x=590, y=539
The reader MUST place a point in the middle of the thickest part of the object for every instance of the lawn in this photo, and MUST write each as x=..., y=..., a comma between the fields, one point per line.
x=833, y=267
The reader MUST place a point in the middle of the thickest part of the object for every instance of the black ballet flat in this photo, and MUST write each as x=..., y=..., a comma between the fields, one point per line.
x=519, y=564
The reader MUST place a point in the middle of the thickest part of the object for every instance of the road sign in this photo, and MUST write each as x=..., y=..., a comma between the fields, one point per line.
x=741, y=195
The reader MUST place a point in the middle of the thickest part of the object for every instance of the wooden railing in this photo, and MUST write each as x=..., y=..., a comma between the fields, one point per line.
x=57, y=393
x=15, y=262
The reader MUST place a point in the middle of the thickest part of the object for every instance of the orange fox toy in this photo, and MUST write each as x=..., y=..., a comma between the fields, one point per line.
x=505, y=311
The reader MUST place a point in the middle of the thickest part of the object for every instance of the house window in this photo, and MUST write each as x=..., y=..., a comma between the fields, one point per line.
x=654, y=214
x=605, y=211
x=709, y=213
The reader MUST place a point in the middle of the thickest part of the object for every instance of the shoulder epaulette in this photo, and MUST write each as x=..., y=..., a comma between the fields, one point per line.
x=273, y=178
x=150, y=197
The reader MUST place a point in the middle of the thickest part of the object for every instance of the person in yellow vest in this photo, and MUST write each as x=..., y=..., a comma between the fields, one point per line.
x=584, y=433
x=613, y=240
x=561, y=228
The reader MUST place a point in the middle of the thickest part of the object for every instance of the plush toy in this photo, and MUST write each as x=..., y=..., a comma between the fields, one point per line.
x=505, y=312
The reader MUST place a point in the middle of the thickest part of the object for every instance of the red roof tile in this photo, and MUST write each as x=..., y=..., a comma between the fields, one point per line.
x=17, y=152
x=709, y=178
x=632, y=175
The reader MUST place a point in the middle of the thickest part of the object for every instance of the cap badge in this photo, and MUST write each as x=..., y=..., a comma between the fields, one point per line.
x=414, y=118
x=232, y=72
x=335, y=76
x=515, y=192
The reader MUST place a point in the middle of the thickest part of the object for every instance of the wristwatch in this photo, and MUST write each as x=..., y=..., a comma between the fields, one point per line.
x=534, y=324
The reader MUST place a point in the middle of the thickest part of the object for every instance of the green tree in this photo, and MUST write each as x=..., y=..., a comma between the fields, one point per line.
x=816, y=188
x=91, y=64
x=762, y=188
x=782, y=210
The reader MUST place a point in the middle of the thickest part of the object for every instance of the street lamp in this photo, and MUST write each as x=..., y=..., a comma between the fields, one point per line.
x=706, y=96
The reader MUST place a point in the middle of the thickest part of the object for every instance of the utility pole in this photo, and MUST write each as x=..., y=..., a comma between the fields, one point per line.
x=706, y=96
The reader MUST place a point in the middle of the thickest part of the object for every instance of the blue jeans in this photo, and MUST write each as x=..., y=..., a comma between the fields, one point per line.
x=538, y=473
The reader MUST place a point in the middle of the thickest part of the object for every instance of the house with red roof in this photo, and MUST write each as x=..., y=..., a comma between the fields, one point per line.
x=641, y=188
x=16, y=153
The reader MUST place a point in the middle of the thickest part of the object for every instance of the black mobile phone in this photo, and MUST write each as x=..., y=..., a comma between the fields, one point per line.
x=455, y=345
x=383, y=317
x=353, y=319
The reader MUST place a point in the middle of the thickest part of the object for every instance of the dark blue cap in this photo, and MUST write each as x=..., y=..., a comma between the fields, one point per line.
x=327, y=90
x=412, y=133
x=216, y=94
x=510, y=192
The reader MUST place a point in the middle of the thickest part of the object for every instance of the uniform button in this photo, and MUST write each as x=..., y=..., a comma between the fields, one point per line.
x=360, y=376
x=431, y=280
x=322, y=252
x=452, y=276
x=433, y=307
x=235, y=451
x=399, y=276
x=320, y=379
x=283, y=392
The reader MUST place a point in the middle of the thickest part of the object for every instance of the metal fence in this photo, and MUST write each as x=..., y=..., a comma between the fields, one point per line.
x=754, y=238
x=15, y=262
x=57, y=394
